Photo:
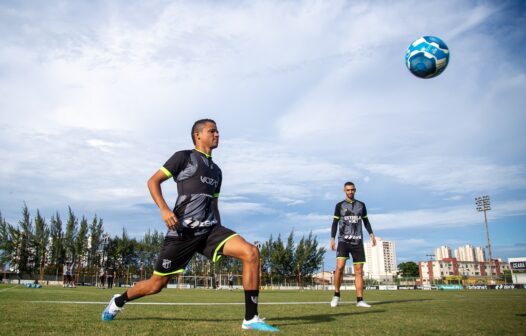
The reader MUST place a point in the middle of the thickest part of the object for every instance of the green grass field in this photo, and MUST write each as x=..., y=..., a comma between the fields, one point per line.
x=393, y=312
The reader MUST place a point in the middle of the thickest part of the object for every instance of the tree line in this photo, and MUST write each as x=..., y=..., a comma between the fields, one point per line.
x=36, y=247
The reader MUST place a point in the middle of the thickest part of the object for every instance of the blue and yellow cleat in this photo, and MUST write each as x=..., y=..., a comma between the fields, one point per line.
x=258, y=324
x=111, y=310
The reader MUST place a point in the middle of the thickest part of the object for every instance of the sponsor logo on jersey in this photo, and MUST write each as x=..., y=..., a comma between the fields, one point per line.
x=193, y=223
x=166, y=263
x=352, y=237
x=209, y=180
x=352, y=219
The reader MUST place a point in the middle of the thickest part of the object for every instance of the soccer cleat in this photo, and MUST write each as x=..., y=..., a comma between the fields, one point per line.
x=257, y=323
x=363, y=304
x=335, y=301
x=111, y=310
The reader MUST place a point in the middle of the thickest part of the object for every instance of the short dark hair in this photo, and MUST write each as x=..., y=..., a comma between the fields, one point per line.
x=348, y=183
x=198, y=126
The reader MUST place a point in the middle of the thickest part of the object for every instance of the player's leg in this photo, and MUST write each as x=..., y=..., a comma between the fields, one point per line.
x=173, y=258
x=146, y=287
x=342, y=254
x=338, y=276
x=358, y=254
x=358, y=273
x=237, y=247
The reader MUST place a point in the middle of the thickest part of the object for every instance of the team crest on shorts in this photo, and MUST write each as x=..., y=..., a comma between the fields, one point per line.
x=167, y=263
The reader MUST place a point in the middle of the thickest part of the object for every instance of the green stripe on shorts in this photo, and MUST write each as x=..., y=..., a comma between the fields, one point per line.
x=216, y=257
x=169, y=273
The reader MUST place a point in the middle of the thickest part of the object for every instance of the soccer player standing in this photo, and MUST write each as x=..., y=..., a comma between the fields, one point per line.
x=349, y=215
x=194, y=226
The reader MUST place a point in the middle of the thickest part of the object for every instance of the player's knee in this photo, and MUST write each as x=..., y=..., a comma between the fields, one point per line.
x=340, y=267
x=358, y=272
x=252, y=255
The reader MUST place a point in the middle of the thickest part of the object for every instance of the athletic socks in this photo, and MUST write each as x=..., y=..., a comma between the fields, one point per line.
x=122, y=299
x=251, y=304
x=359, y=298
x=337, y=294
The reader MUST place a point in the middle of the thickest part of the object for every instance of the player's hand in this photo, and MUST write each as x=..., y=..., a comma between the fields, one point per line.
x=169, y=218
x=373, y=240
x=333, y=245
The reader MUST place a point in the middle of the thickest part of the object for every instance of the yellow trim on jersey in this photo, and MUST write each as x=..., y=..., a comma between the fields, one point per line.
x=216, y=257
x=208, y=156
x=336, y=217
x=359, y=262
x=169, y=273
x=216, y=195
x=166, y=172
x=364, y=216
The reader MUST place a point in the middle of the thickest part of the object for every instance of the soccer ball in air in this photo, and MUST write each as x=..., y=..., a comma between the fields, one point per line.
x=427, y=57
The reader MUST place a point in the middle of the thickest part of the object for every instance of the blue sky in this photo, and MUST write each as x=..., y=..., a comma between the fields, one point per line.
x=307, y=95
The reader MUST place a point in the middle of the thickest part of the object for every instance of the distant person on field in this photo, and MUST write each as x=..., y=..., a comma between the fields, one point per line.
x=349, y=215
x=230, y=281
x=65, y=275
x=216, y=279
x=71, y=275
x=102, y=278
x=110, y=275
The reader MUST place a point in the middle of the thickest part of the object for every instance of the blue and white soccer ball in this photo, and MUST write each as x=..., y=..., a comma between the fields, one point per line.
x=427, y=57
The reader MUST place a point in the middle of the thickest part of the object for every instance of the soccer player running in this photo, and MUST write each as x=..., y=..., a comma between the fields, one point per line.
x=194, y=226
x=349, y=215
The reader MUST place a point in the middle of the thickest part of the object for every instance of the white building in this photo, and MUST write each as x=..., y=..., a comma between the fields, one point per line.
x=479, y=254
x=442, y=252
x=469, y=253
x=381, y=260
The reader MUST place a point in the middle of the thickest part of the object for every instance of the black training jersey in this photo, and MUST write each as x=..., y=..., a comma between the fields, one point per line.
x=198, y=181
x=348, y=218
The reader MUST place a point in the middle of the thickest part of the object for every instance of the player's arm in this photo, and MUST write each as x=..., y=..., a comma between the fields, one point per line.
x=334, y=228
x=154, y=185
x=368, y=227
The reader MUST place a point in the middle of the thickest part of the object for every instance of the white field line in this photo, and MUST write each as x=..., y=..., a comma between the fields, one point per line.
x=194, y=303
x=6, y=289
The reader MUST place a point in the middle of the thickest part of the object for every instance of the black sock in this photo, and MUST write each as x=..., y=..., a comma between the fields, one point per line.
x=122, y=299
x=359, y=298
x=251, y=304
x=337, y=294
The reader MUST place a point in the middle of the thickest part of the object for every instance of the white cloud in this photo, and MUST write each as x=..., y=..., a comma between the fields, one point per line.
x=448, y=217
x=458, y=175
x=233, y=208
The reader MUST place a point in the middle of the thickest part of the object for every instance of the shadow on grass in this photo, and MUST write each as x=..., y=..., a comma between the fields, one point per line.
x=320, y=318
x=399, y=301
x=175, y=318
x=301, y=319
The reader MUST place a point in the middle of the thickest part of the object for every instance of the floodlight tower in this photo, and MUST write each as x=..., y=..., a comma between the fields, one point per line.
x=483, y=205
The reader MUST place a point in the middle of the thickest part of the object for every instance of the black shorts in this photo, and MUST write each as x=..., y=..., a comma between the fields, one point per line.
x=177, y=252
x=357, y=252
